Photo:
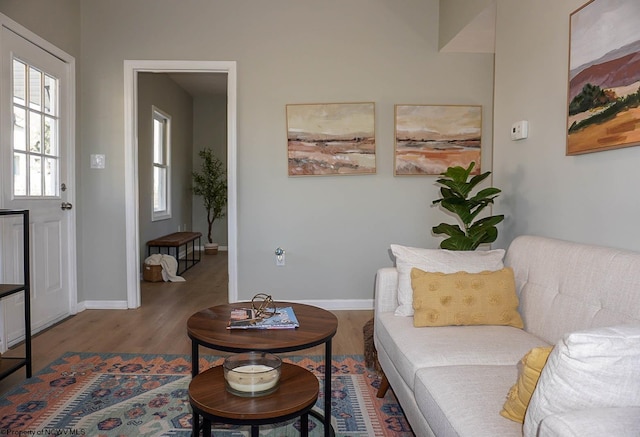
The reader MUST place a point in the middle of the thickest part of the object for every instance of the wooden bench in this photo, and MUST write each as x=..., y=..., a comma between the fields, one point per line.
x=176, y=241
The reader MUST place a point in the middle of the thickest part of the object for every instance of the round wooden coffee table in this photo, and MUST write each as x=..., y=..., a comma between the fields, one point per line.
x=297, y=393
x=208, y=328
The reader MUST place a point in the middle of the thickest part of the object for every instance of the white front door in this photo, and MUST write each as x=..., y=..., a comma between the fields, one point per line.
x=36, y=138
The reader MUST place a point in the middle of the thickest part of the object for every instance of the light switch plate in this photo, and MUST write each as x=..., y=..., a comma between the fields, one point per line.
x=97, y=161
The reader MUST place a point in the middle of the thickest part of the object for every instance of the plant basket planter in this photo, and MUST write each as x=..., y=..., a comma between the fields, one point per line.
x=211, y=248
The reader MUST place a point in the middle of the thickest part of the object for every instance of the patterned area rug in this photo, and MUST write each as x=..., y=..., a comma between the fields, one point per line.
x=146, y=395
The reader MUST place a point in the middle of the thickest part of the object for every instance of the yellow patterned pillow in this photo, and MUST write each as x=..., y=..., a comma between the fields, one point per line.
x=529, y=369
x=485, y=298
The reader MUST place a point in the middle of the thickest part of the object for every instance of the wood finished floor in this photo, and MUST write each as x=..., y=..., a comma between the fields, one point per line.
x=158, y=326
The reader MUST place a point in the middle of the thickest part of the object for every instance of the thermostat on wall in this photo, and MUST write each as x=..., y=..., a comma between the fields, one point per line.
x=519, y=130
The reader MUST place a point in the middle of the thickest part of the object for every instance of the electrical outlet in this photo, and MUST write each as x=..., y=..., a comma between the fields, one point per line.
x=519, y=130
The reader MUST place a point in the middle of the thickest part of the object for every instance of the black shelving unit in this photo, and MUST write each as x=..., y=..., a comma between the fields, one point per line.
x=9, y=365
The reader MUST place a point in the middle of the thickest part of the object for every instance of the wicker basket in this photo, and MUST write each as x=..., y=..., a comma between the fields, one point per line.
x=152, y=273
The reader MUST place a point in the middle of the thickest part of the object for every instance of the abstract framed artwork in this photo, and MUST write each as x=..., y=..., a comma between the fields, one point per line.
x=431, y=138
x=603, y=105
x=331, y=139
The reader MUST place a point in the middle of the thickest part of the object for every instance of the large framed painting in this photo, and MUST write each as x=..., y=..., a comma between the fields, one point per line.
x=331, y=139
x=431, y=138
x=604, y=76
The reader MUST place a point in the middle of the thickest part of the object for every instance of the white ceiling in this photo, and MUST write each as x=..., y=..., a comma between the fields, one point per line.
x=201, y=84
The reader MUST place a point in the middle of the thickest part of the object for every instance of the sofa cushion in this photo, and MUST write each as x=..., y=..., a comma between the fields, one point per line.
x=594, y=422
x=462, y=298
x=414, y=348
x=466, y=400
x=438, y=260
x=519, y=395
x=588, y=369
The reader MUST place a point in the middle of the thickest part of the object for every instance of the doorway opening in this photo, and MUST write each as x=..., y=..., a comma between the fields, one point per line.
x=131, y=69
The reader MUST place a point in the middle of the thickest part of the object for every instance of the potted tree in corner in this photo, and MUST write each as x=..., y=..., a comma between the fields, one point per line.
x=211, y=183
x=455, y=198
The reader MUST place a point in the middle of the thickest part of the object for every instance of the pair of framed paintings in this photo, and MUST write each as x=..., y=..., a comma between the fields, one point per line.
x=339, y=138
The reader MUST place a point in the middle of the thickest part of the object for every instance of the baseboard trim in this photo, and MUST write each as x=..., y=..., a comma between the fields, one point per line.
x=220, y=248
x=342, y=304
x=338, y=304
x=102, y=305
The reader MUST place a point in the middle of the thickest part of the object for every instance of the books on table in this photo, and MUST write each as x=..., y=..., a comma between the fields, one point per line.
x=246, y=318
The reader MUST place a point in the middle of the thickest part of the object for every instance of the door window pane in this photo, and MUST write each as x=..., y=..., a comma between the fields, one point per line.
x=35, y=176
x=50, y=136
x=19, y=82
x=19, y=129
x=50, y=176
x=35, y=132
x=35, y=91
x=50, y=95
x=19, y=174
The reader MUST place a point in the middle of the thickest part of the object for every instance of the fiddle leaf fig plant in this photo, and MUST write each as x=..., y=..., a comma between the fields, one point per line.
x=456, y=198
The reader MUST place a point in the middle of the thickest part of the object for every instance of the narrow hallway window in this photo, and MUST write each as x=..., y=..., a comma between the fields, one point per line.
x=161, y=168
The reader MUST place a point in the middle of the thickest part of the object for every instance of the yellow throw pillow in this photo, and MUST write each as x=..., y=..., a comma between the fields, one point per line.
x=529, y=369
x=485, y=298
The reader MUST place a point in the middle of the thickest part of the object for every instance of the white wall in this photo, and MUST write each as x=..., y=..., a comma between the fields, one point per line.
x=589, y=198
x=336, y=230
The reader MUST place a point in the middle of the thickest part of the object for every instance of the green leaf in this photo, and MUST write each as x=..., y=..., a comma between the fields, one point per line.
x=455, y=188
x=461, y=209
x=484, y=231
x=489, y=221
x=458, y=173
x=490, y=236
x=486, y=193
x=447, y=229
x=458, y=243
x=478, y=178
x=445, y=193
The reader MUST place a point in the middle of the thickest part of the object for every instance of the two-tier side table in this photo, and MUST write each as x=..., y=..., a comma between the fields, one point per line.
x=208, y=328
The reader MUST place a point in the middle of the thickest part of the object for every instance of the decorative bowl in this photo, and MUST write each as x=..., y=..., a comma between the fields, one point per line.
x=251, y=374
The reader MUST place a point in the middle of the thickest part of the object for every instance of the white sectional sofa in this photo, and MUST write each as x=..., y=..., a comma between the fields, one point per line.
x=453, y=380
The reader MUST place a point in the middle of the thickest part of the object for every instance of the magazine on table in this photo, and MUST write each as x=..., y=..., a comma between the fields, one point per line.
x=247, y=318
